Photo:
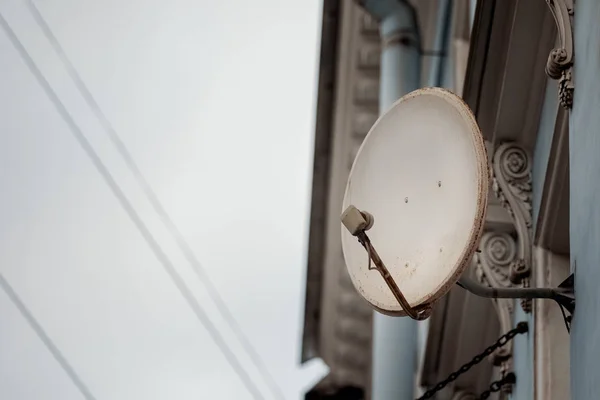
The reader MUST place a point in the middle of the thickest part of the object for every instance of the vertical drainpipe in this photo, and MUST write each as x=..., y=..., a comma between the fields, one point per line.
x=440, y=43
x=394, y=339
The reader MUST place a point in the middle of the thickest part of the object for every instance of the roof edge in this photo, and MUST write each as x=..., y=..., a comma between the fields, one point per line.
x=320, y=179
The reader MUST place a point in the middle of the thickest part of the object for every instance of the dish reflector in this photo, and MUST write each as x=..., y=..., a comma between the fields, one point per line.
x=422, y=174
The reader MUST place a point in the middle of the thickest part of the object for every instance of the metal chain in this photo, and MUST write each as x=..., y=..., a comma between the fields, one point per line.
x=496, y=386
x=503, y=340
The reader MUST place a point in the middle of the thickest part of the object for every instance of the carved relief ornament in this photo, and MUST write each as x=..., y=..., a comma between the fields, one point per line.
x=560, y=60
x=512, y=185
x=505, y=259
x=493, y=268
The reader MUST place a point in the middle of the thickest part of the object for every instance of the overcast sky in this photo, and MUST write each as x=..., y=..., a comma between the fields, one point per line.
x=215, y=101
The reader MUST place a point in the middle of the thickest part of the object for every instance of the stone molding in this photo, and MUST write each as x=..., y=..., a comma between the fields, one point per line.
x=511, y=183
x=493, y=268
x=560, y=59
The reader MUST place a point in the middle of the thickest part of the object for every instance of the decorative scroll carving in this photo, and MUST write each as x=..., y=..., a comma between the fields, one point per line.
x=493, y=268
x=505, y=259
x=560, y=60
x=512, y=185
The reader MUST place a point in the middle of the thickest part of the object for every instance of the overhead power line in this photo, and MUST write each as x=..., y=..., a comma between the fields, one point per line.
x=133, y=215
x=41, y=333
x=155, y=202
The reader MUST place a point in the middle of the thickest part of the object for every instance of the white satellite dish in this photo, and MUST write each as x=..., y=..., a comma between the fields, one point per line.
x=422, y=174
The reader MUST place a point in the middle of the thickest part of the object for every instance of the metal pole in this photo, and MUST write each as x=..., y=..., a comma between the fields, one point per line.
x=507, y=293
x=563, y=294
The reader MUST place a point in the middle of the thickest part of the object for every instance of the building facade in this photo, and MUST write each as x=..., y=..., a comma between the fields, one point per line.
x=528, y=70
x=338, y=323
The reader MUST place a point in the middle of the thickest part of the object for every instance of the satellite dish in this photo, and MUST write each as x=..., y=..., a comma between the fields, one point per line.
x=419, y=187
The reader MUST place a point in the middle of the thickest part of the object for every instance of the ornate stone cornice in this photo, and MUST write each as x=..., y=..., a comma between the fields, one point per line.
x=560, y=60
x=512, y=185
x=351, y=318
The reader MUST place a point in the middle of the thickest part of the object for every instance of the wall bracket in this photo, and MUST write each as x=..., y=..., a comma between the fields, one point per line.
x=560, y=60
x=564, y=294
